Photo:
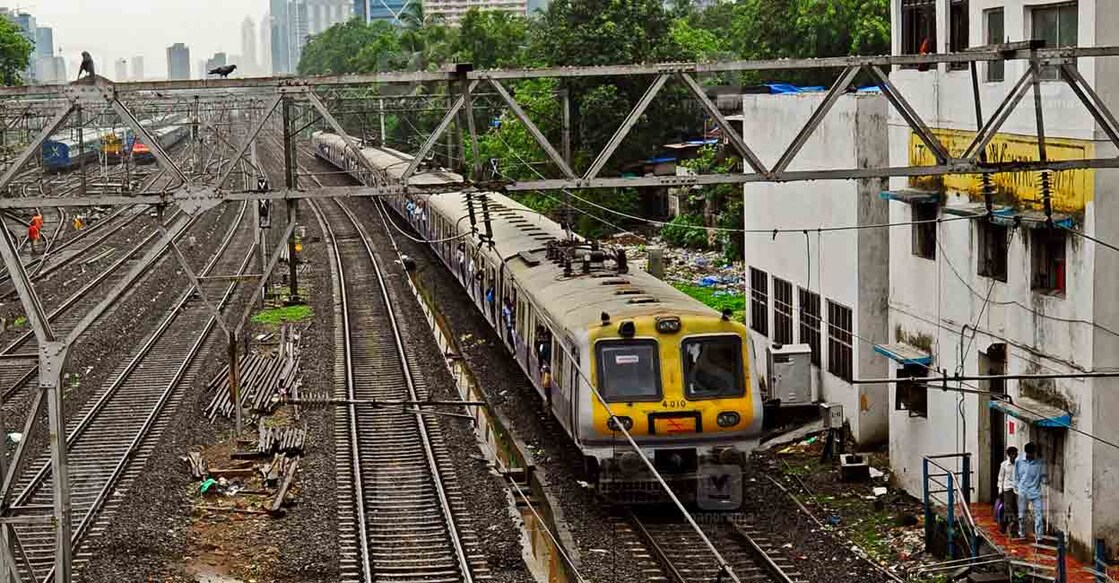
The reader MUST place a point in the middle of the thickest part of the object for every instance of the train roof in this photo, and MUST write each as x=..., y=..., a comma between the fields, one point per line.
x=521, y=238
x=394, y=163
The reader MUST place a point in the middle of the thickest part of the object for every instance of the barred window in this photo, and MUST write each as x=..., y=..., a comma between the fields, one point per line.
x=782, y=311
x=759, y=301
x=810, y=322
x=839, y=341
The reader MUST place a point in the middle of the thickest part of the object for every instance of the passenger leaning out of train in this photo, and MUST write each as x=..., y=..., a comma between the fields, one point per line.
x=507, y=316
x=543, y=348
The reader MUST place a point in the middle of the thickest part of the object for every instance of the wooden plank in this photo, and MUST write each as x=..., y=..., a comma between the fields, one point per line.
x=288, y=478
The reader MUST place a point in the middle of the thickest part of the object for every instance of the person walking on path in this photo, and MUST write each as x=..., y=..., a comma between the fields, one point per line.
x=1008, y=492
x=1030, y=476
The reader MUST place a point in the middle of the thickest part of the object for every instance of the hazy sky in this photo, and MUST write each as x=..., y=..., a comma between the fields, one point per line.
x=115, y=29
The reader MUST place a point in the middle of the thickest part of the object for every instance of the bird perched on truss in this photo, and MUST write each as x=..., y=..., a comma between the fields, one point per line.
x=87, y=66
x=223, y=71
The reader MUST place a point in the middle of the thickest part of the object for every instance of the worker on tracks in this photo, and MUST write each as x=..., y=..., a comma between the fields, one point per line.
x=33, y=231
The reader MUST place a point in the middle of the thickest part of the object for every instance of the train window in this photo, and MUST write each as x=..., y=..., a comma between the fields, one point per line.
x=713, y=367
x=629, y=371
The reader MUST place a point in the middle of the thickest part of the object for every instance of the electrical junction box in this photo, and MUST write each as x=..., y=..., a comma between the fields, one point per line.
x=832, y=415
x=790, y=374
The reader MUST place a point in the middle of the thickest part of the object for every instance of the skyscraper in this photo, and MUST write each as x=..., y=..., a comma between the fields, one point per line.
x=266, y=44
x=248, y=46
x=178, y=62
x=281, y=37
x=44, y=63
x=368, y=10
x=218, y=60
x=323, y=14
x=44, y=41
x=121, y=70
x=298, y=31
x=138, y=68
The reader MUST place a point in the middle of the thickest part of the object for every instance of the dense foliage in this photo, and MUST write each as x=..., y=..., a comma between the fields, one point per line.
x=15, y=53
x=604, y=32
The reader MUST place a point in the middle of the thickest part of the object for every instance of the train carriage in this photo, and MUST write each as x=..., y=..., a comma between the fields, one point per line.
x=66, y=151
x=575, y=316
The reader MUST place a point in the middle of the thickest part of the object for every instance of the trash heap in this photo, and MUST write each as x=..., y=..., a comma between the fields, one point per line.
x=255, y=478
x=699, y=268
x=254, y=481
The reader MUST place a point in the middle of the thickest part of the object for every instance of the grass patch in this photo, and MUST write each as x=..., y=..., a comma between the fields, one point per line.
x=20, y=322
x=285, y=314
x=734, y=302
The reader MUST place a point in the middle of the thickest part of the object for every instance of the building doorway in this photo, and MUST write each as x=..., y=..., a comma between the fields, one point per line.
x=992, y=426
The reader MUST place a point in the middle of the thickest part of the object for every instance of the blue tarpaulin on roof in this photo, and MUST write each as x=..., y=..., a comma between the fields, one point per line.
x=781, y=88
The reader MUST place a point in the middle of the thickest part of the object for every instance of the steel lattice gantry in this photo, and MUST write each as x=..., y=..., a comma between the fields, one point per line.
x=234, y=113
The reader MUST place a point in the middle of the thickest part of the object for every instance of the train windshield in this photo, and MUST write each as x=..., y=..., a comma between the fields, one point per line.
x=713, y=367
x=629, y=371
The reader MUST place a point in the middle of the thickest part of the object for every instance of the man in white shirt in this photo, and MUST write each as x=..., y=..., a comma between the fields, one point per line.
x=1008, y=491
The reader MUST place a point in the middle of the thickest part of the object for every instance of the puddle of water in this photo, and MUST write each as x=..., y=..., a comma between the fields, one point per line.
x=207, y=574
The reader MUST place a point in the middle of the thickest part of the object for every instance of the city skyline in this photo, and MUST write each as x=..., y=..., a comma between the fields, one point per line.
x=145, y=30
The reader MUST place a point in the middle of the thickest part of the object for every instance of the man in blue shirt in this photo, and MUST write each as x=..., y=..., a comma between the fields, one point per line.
x=1030, y=474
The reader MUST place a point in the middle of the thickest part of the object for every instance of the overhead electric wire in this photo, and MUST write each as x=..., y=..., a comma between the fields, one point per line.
x=944, y=378
x=774, y=232
x=1091, y=238
x=1020, y=304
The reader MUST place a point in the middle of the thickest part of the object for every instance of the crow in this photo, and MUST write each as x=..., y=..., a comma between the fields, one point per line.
x=224, y=71
x=87, y=65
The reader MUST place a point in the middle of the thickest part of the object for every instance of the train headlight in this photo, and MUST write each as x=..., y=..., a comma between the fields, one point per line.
x=626, y=422
x=668, y=324
x=728, y=419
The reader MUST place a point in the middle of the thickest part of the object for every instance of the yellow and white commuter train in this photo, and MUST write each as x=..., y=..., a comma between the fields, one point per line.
x=587, y=327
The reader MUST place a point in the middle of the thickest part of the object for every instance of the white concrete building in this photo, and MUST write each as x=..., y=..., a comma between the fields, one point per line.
x=121, y=68
x=451, y=11
x=138, y=68
x=825, y=289
x=1009, y=296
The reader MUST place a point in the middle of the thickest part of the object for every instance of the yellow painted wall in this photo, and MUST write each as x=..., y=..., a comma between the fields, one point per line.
x=1071, y=190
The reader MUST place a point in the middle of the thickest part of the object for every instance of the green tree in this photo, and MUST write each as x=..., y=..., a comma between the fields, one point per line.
x=15, y=53
x=352, y=47
x=491, y=39
x=769, y=29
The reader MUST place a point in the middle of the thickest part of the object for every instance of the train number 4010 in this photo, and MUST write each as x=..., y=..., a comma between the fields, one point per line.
x=671, y=404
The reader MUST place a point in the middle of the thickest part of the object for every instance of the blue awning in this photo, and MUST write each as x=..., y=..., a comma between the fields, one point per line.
x=904, y=354
x=1034, y=412
x=911, y=196
x=1031, y=218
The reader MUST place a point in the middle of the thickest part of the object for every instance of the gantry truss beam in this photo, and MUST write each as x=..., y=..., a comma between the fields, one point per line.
x=262, y=97
x=233, y=115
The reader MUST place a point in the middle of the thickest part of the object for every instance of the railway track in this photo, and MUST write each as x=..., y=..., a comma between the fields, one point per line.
x=113, y=434
x=671, y=551
x=56, y=243
x=404, y=517
x=64, y=313
x=109, y=261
